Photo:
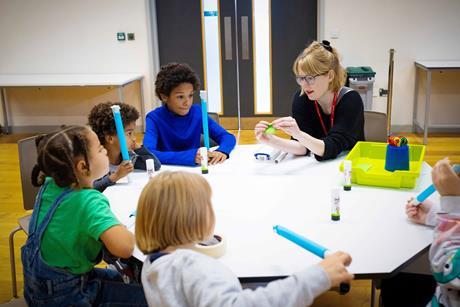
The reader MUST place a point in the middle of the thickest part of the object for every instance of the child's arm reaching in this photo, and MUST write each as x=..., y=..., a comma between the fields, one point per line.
x=425, y=213
x=447, y=183
x=123, y=170
x=225, y=139
x=109, y=179
x=118, y=241
x=217, y=288
x=335, y=267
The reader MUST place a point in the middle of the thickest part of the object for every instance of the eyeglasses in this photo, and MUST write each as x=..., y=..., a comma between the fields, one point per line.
x=309, y=79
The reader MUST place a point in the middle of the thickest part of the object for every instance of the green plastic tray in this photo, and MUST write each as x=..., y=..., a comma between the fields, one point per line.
x=368, y=166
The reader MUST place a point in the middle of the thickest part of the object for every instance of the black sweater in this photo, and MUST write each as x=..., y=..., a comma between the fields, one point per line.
x=348, y=123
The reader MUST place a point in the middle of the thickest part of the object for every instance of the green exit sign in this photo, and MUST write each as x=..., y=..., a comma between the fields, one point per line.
x=121, y=36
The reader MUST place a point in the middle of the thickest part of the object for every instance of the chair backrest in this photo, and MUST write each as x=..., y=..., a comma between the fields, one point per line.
x=375, y=126
x=27, y=159
x=214, y=116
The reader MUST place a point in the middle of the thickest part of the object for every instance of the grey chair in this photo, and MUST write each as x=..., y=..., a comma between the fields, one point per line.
x=27, y=159
x=212, y=143
x=375, y=126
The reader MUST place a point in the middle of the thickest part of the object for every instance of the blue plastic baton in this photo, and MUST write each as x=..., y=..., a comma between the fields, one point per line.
x=431, y=189
x=120, y=132
x=204, y=116
x=310, y=246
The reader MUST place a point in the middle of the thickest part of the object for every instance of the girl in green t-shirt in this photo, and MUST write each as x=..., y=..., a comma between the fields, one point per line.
x=70, y=224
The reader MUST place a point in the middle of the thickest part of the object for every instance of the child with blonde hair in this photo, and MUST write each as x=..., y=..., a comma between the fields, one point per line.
x=174, y=213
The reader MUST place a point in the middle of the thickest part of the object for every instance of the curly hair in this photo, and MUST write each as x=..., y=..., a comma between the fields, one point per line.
x=101, y=118
x=57, y=153
x=173, y=74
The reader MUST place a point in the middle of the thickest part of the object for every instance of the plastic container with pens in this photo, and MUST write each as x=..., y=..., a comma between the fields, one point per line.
x=371, y=166
x=397, y=154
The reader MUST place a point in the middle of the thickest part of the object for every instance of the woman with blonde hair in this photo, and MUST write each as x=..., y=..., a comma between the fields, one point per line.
x=174, y=213
x=327, y=118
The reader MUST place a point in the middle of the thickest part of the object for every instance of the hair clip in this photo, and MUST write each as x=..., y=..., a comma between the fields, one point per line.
x=327, y=45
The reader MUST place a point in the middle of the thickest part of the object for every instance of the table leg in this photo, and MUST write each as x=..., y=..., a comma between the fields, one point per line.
x=120, y=94
x=427, y=107
x=141, y=86
x=414, y=113
x=375, y=284
x=373, y=293
x=5, y=111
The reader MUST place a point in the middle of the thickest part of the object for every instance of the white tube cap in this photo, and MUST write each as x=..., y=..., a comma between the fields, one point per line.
x=347, y=165
x=115, y=108
x=149, y=164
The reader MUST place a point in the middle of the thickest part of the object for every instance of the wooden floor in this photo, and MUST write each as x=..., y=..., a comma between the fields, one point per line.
x=439, y=146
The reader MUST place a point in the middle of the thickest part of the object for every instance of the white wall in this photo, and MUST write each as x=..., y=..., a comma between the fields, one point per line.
x=67, y=36
x=417, y=30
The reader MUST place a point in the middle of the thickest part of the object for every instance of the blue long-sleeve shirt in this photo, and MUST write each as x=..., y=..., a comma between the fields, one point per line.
x=175, y=139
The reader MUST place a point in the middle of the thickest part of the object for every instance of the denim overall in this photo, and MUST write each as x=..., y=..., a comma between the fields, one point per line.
x=45, y=285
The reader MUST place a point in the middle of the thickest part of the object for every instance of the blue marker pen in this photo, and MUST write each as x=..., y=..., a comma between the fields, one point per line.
x=431, y=189
x=120, y=132
x=204, y=117
x=310, y=246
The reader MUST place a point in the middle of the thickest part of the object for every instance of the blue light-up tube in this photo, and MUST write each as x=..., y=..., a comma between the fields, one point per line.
x=310, y=246
x=120, y=132
x=303, y=242
x=431, y=189
x=204, y=116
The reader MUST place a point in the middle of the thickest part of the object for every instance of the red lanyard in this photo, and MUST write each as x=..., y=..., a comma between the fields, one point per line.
x=334, y=102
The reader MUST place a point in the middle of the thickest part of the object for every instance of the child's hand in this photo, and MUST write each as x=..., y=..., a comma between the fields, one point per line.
x=447, y=183
x=123, y=170
x=216, y=157
x=417, y=214
x=335, y=268
x=198, y=157
x=259, y=131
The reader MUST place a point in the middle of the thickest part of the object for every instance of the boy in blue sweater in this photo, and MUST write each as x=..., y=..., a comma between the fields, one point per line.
x=173, y=130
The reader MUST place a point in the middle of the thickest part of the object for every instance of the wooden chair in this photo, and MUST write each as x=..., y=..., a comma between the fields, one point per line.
x=27, y=159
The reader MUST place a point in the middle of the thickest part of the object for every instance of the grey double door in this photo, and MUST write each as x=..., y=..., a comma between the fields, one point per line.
x=293, y=26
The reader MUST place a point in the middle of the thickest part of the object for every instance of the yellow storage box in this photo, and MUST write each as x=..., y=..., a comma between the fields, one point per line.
x=368, y=166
